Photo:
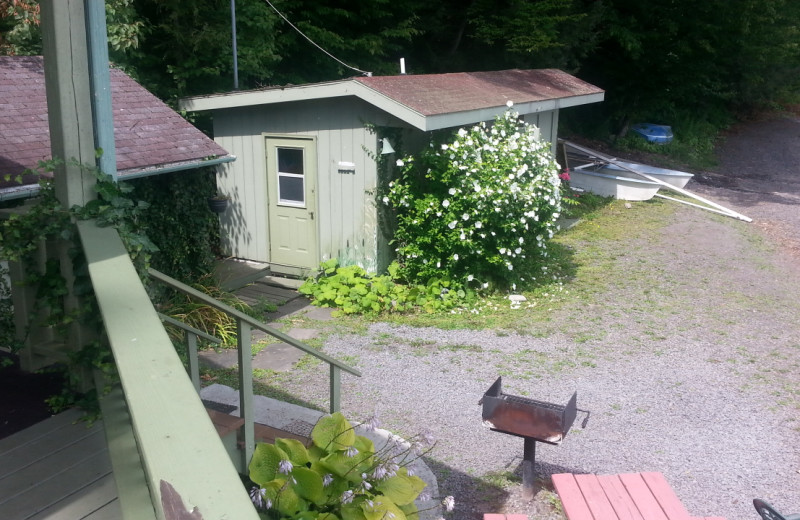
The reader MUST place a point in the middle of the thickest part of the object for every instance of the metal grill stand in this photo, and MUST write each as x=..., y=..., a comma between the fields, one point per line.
x=530, y=419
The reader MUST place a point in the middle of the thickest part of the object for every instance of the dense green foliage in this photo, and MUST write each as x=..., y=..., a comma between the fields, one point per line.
x=478, y=209
x=179, y=222
x=686, y=63
x=352, y=290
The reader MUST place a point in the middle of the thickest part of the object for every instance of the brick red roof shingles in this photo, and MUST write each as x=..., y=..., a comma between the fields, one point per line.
x=148, y=134
x=436, y=94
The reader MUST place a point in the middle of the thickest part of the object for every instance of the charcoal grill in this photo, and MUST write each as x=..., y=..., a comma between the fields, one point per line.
x=530, y=419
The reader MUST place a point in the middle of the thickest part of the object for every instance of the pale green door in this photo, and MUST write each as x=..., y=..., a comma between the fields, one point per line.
x=291, y=185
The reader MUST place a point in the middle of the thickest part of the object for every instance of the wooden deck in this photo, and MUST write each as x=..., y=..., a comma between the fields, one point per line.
x=630, y=496
x=57, y=469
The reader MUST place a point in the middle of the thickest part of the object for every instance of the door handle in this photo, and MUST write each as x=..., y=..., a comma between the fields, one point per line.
x=311, y=215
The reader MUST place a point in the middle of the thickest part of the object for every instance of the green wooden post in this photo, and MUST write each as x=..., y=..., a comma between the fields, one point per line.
x=191, y=354
x=336, y=388
x=243, y=342
x=69, y=100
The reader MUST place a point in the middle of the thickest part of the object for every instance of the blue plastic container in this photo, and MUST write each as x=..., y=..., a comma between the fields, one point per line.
x=659, y=134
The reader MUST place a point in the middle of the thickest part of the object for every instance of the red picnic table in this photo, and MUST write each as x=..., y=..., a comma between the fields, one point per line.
x=629, y=496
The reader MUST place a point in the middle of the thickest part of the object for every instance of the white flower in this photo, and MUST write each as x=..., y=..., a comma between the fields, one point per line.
x=478, y=224
x=451, y=191
x=455, y=257
x=284, y=467
x=518, y=250
x=448, y=503
x=386, y=200
x=502, y=250
x=351, y=452
x=462, y=236
x=521, y=240
x=347, y=496
x=452, y=225
x=470, y=278
x=509, y=103
x=400, y=162
x=445, y=203
x=327, y=479
x=465, y=216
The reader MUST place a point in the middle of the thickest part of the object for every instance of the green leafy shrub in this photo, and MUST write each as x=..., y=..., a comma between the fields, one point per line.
x=352, y=290
x=479, y=208
x=340, y=476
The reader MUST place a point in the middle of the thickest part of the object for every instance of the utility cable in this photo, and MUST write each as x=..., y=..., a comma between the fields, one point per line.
x=364, y=72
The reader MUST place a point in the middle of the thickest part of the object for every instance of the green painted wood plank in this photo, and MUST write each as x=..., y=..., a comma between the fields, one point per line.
x=101, y=495
x=131, y=480
x=40, y=429
x=54, y=462
x=50, y=489
x=169, y=420
x=70, y=437
x=109, y=511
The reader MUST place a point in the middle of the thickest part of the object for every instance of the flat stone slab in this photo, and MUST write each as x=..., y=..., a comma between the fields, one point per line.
x=227, y=358
x=279, y=357
x=319, y=313
x=303, y=334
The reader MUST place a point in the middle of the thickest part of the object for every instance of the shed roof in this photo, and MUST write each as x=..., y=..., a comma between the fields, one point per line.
x=430, y=101
x=150, y=137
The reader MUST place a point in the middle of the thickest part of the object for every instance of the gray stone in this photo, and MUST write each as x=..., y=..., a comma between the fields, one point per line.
x=223, y=359
x=280, y=357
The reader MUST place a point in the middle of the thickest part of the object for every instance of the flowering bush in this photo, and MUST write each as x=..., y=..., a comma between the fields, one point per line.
x=341, y=476
x=480, y=208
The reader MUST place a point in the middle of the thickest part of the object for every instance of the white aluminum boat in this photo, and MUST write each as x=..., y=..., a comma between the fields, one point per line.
x=673, y=177
x=618, y=186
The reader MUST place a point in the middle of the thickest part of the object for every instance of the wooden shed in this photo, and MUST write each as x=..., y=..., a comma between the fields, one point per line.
x=303, y=188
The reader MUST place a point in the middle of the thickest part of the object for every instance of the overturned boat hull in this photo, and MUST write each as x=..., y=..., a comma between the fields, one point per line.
x=675, y=178
x=617, y=186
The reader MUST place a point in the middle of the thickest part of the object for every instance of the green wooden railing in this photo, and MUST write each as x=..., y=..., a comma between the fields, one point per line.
x=244, y=326
x=165, y=444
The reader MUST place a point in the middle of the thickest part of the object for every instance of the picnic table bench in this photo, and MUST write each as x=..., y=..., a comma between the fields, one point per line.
x=629, y=496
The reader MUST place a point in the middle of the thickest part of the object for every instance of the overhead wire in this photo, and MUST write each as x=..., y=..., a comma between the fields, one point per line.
x=364, y=72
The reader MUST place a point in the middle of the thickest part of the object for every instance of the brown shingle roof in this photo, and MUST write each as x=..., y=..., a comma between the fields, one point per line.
x=435, y=94
x=147, y=132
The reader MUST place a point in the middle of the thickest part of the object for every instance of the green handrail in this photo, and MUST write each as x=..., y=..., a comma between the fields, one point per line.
x=168, y=422
x=244, y=326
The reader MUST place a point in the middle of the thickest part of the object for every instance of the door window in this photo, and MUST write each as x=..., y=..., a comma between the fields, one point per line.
x=291, y=177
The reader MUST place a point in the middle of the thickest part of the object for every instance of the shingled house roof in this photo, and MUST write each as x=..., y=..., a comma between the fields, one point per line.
x=430, y=101
x=150, y=137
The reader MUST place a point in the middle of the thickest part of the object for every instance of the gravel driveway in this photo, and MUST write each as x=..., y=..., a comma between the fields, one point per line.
x=689, y=359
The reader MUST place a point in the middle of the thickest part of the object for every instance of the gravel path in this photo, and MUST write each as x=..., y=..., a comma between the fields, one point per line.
x=688, y=360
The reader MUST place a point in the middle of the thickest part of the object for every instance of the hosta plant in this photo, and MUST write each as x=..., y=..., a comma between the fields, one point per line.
x=480, y=208
x=341, y=476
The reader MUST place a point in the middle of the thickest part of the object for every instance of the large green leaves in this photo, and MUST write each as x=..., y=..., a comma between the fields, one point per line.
x=333, y=432
x=401, y=489
x=264, y=464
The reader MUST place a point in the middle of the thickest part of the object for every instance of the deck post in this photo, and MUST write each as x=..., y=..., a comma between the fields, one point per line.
x=336, y=388
x=191, y=354
x=244, y=347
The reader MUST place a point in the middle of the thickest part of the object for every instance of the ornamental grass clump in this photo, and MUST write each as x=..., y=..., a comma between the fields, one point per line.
x=480, y=208
x=340, y=476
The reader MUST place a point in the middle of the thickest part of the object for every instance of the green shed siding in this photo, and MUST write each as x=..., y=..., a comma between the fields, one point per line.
x=346, y=215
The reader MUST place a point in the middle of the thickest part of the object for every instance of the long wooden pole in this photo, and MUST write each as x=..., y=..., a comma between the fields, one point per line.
x=594, y=154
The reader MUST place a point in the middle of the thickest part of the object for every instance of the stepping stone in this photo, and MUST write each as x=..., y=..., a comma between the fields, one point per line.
x=227, y=358
x=280, y=357
x=303, y=334
x=319, y=313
